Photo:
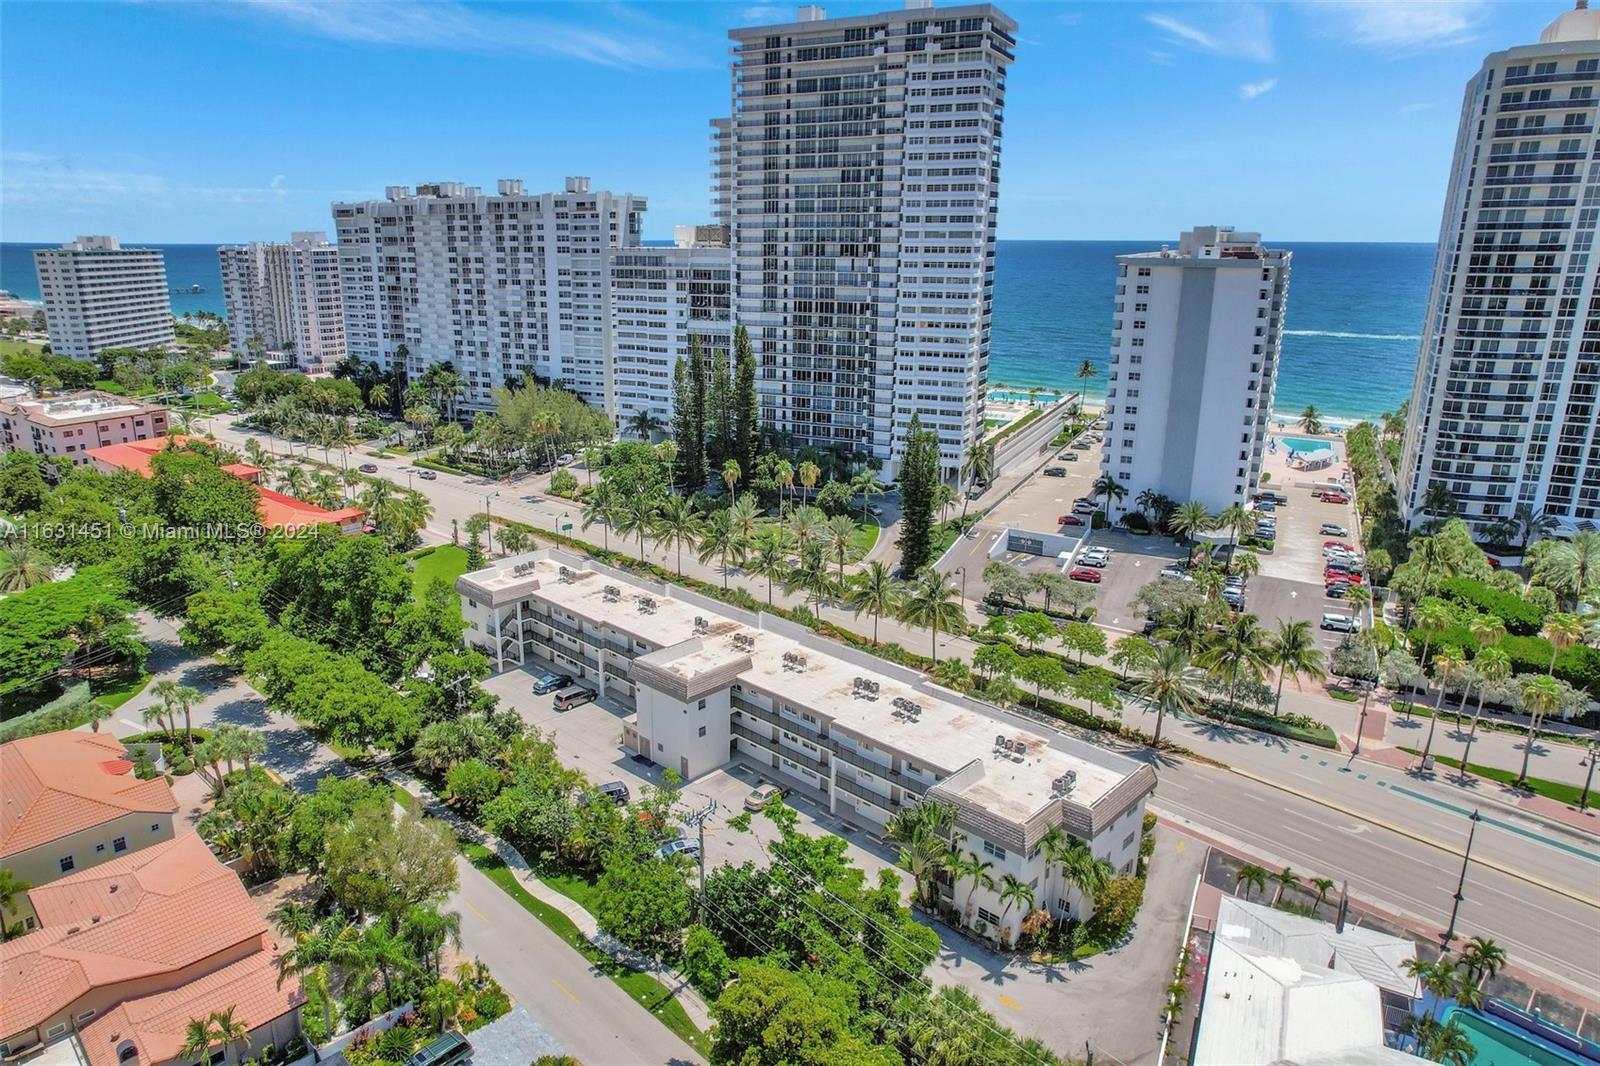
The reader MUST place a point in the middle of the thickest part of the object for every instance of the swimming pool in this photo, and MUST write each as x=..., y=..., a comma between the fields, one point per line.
x=1498, y=1043
x=1306, y=445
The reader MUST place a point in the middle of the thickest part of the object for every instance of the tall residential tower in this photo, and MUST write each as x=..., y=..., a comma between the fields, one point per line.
x=285, y=298
x=1194, y=362
x=1503, y=406
x=859, y=176
x=98, y=294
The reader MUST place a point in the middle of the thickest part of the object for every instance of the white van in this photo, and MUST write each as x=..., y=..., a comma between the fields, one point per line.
x=1340, y=623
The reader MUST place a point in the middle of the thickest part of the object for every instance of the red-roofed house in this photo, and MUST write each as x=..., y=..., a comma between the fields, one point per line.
x=70, y=801
x=277, y=510
x=132, y=950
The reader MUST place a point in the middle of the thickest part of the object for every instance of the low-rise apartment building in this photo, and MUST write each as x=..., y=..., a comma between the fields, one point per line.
x=70, y=801
x=98, y=294
x=706, y=683
x=131, y=951
x=73, y=424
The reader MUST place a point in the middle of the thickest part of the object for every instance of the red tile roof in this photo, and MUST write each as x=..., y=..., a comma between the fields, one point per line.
x=277, y=510
x=56, y=784
x=154, y=912
x=157, y=1024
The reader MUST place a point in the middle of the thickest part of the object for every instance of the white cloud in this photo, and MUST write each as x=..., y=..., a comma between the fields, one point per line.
x=37, y=179
x=1252, y=89
x=1243, y=31
x=1401, y=25
x=766, y=14
x=1413, y=108
x=458, y=27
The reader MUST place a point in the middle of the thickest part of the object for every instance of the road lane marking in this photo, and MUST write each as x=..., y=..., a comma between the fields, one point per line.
x=564, y=989
x=487, y=920
x=1008, y=1001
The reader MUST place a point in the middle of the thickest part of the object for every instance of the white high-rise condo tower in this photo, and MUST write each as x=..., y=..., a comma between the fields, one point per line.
x=859, y=176
x=1503, y=407
x=1194, y=363
x=98, y=294
x=494, y=284
x=284, y=299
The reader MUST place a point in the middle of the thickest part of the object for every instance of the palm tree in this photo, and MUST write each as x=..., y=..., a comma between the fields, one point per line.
x=228, y=1031
x=294, y=481
x=1323, y=885
x=1284, y=878
x=1528, y=525
x=809, y=473
x=768, y=559
x=1433, y=618
x=932, y=603
x=513, y=539
x=1293, y=651
x=1448, y=663
x=974, y=869
x=783, y=474
x=1086, y=371
x=645, y=424
x=1191, y=519
x=805, y=526
x=813, y=578
x=678, y=524
x=1493, y=666
x=1079, y=867
x=1249, y=877
x=198, y=1038
x=1014, y=891
x=1170, y=684
x=601, y=509
x=23, y=566
x=731, y=474
x=636, y=517
x=11, y=886
x=1311, y=419
x=1573, y=568
x=866, y=485
x=180, y=698
x=838, y=532
x=978, y=466
x=1235, y=518
x=1541, y=696
x=718, y=541
x=1240, y=647
x=745, y=514
x=378, y=397
x=1483, y=959
x=1109, y=489
x=874, y=590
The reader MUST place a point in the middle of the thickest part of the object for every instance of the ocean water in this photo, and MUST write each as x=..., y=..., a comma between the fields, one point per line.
x=1350, y=339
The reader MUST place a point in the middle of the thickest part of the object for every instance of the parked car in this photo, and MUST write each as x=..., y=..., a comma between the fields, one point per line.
x=428, y=475
x=682, y=846
x=760, y=796
x=576, y=696
x=565, y=457
x=1085, y=573
x=1099, y=562
x=1340, y=623
x=549, y=682
x=1266, y=505
x=368, y=468
x=875, y=511
x=1276, y=497
x=1099, y=549
x=615, y=791
x=1337, y=590
x=1334, y=529
x=1175, y=570
x=1084, y=507
x=1071, y=457
x=1069, y=520
x=1335, y=497
x=1055, y=471
x=1337, y=544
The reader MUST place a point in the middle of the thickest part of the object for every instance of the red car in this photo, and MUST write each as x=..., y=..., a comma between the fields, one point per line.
x=1085, y=573
x=1335, y=497
x=1337, y=544
x=1069, y=520
x=1341, y=575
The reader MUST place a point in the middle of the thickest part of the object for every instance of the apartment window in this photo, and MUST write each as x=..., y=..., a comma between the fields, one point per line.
x=701, y=705
x=67, y=864
x=702, y=731
x=1064, y=907
x=155, y=827
x=1127, y=841
x=995, y=850
x=660, y=746
x=119, y=845
x=986, y=915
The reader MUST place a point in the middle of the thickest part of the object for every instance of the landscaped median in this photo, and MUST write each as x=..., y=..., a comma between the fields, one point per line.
x=1556, y=790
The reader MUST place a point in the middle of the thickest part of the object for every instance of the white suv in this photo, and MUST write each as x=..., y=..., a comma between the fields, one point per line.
x=1340, y=623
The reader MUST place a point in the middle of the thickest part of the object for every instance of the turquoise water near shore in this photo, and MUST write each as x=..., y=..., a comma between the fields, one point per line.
x=1350, y=339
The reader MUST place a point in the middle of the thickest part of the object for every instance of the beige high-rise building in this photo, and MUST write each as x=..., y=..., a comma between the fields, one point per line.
x=284, y=299
x=98, y=294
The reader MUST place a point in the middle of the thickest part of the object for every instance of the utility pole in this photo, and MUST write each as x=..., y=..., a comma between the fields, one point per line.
x=1455, y=908
x=698, y=820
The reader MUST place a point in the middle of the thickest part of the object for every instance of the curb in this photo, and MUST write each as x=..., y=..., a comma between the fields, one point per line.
x=1576, y=897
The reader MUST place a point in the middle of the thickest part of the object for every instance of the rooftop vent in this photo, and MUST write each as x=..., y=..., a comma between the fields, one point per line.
x=700, y=624
x=566, y=574
x=611, y=593
x=1065, y=783
x=647, y=605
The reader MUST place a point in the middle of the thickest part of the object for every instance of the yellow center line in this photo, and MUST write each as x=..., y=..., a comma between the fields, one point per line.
x=476, y=911
x=1008, y=1001
x=564, y=989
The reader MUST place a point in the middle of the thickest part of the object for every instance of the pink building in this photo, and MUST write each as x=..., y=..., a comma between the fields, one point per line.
x=74, y=424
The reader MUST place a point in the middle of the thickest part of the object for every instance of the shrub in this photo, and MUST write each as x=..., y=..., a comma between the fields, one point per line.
x=1114, y=911
x=705, y=963
x=1136, y=522
x=472, y=784
x=564, y=483
x=1520, y=616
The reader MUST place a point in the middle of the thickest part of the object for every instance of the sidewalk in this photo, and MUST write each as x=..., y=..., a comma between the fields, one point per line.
x=1476, y=789
x=692, y=1004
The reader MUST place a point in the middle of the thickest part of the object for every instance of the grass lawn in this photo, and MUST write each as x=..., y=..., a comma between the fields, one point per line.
x=114, y=693
x=12, y=346
x=643, y=988
x=865, y=537
x=1556, y=790
x=204, y=401
x=446, y=561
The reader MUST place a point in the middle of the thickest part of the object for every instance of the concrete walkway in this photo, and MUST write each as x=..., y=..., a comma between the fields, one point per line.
x=692, y=1004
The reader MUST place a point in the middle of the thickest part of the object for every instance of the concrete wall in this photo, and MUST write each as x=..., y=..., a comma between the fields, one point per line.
x=1016, y=450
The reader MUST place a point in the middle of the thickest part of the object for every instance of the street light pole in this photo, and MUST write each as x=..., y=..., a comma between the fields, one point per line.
x=1461, y=884
x=1362, y=725
x=963, y=572
x=1593, y=748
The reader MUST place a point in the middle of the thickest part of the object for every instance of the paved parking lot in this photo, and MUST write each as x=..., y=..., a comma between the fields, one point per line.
x=1135, y=562
x=1038, y=501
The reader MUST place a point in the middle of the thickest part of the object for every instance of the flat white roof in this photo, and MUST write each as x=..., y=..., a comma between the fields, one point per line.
x=946, y=735
x=1367, y=953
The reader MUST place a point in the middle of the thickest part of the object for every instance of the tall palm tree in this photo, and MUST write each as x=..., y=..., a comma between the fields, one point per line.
x=229, y=1031
x=876, y=591
x=805, y=528
x=1078, y=866
x=977, y=466
x=326, y=490
x=745, y=514
x=1540, y=696
x=933, y=603
x=767, y=558
x=678, y=524
x=1448, y=663
x=1293, y=651
x=976, y=869
x=1249, y=877
x=731, y=474
x=645, y=424
x=867, y=485
x=600, y=508
x=1191, y=519
x=513, y=539
x=294, y=481
x=719, y=540
x=1235, y=518
x=1323, y=885
x=1573, y=568
x=1285, y=879
x=808, y=473
x=1433, y=618
x=1240, y=648
x=1170, y=684
x=1109, y=489
x=1482, y=959
x=783, y=474
x=812, y=577
x=1311, y=419
x=1014, y=892
x=22, y=566
x=837, y=533
x=1493, y=666
x=1087, y=371
x=636, y=517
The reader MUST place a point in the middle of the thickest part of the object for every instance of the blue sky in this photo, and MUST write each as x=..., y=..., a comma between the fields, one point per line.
x=206, y=122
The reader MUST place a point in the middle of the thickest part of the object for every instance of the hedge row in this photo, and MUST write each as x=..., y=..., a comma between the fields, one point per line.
x=1520, y=616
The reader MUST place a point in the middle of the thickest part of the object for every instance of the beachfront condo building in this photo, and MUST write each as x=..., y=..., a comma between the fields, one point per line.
x=496, y=284
x=1503, y=405
x=660, y=299
x=98, y=295
x=282, y=298
x=1194, y=361
x=859, y=176
x=695, y=684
